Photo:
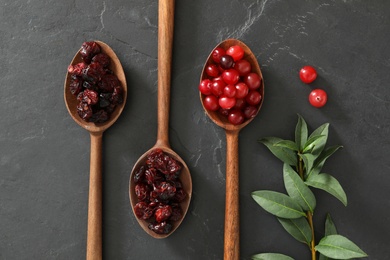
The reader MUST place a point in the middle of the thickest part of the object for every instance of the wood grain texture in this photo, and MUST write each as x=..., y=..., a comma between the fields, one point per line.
x=94, y=234
x=232, y=216
x=166, y=10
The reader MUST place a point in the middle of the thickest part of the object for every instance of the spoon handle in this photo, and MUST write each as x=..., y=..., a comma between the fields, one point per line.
x=232, y=217
x=165, y=40
x=94, y=236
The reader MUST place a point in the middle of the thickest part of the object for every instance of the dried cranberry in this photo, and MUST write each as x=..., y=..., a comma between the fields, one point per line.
x=88, y=50
x=75, y=85
x=90, y=97
x=102, y=58
x=77, y=69
x=92, y=73
x=142, y=210
x=160, y=228
x=162, y=162
x=177, y=214
x=89, y=85
x=180, y=195
x=152, y=175
x=139, y=175
x=165, y=190
x=163, y=213
x=104, y=99
x=100, y=116
x=142, y=191
x=84, y=110
x=108, y=83
x=117, y=95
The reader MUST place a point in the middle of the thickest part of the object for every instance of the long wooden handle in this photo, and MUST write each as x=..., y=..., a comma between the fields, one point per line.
x=232, y=217
x=94, y=235
x=165, y=41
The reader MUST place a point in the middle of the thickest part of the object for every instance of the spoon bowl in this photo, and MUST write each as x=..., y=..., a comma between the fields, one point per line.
x=165, y=41
x=94, y=233
x=232, y=229
x=215, y=116
x=71, y=100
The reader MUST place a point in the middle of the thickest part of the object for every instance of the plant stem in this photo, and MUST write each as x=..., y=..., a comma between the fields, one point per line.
x=309, y=215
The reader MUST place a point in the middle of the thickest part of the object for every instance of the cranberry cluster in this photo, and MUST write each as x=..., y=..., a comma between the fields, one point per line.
x=97, y=88
x=231, y=87
x=159, y=191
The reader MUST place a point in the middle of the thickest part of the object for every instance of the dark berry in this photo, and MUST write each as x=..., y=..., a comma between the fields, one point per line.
x=77, y=69
x=142, y=191
x=102, y=58
x=142, y=210
x=88, y=50
x=76, y=85
x=108, y=83
x=100, y=116
x=139, y=175
x=84, y=111
x=226, y=62
x=160, y=228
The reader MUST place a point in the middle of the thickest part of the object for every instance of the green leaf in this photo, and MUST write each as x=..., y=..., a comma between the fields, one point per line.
x=301, y=132
x=271, y=256
x=339, y=247
x=297, y=189
x=287, y=144
x=329, y=184
x=311, y=143
x=308, y=160
x=285, y=155
x=299, y=228
x=319, y=162
x=330, y=227
x=278, y=204
x=320, y=143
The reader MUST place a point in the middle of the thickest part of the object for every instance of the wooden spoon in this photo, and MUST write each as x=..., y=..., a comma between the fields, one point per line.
x=94, y=235
x=165, y=40
x=232, y=229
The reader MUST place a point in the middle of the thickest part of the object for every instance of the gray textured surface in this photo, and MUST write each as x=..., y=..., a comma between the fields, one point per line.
x=44, y=155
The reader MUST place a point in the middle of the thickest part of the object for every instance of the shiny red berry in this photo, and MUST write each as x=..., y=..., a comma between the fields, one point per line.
x=307, y=74
x=318, y=98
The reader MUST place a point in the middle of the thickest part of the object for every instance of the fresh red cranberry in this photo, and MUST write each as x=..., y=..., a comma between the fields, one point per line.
x=226, y=102
x=253, y=98
x=250, y=111
x=318, y=98
x=212, y=70
x=205, y=87
x=226, y=62
x=236, y=52
x=307, y=74
x=217, y=87
x=230, y=76
x=241, y=90
x=229, y=91
x=252, y=80
x=217, y=54
x=243, y=67
x=236, y=117
x=211, y=103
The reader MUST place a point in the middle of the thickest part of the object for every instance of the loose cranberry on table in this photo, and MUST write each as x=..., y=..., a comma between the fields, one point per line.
x=318, y=98
x=96, y=88
x=307, y=74
x=159, y=192
x=234, y=92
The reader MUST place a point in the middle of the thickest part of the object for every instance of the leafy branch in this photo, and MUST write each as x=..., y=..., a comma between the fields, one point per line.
x=303, y=161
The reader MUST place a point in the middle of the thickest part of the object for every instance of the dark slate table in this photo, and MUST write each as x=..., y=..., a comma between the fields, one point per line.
x=44, y=155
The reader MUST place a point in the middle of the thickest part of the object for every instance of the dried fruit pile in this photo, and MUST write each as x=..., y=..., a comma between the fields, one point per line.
x=97, y=88
x=159, y=191
x=231, y=87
